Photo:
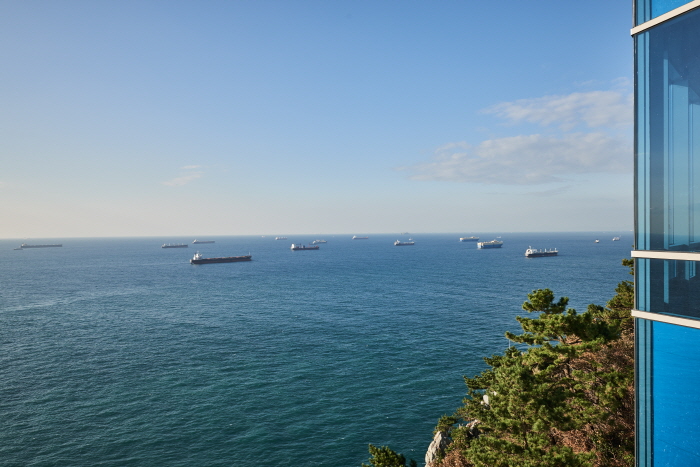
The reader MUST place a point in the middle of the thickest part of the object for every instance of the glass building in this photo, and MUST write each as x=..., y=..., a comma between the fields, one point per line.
x=667, y=231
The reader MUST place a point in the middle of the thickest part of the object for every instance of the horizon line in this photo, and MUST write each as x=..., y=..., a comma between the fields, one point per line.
x=631, y=231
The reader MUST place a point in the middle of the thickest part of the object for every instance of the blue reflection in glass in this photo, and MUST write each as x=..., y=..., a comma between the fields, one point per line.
x=676, y=379
x=643, y=369
x=659, y=7
x=667, y=139
x=668, y=287
x=649, y=9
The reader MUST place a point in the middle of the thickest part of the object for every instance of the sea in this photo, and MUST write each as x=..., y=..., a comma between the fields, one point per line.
x=117, y=352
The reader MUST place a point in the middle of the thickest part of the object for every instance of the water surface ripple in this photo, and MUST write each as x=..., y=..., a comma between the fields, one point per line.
x=118, y=352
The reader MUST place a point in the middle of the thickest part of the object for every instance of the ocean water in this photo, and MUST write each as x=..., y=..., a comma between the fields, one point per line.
x=117, y=352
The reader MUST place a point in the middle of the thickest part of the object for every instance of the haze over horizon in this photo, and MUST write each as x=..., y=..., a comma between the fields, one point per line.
x=153, y=118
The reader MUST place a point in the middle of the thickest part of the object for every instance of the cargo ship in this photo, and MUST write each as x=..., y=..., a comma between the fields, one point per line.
x=355, y=237
x=24, y=245
x=318, y=241
x=468, y=239
x=197, y=259
x=280, y=238
x=408, y=243
x=199, y=242
x=535, y=253
x=491, y=244
x=175, y=245
x=299, y=246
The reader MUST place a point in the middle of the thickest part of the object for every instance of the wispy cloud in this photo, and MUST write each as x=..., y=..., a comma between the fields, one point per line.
x=525, y=160
x=597, y=109
x=191, y=167
x=184, y=180
x=589, y=134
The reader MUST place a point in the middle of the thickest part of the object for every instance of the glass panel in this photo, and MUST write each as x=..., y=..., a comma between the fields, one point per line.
x=643, y=390
x=642, y=11
x=641, y=143
x=641, y=285
x=667, y=135
x=659, y=7
x=668, y=287
x=676, y=378
x=646, y=10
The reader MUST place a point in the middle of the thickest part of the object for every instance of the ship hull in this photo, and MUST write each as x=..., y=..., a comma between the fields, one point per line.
x=540, y=255
x=228, y=259
x=24, y=245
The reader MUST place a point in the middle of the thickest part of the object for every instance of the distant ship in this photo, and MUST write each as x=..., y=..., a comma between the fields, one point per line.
x=535, y=253
x=299, y=246
x=468, y=239
x=318, y=241
x=198, y=242
x=491, y=244
x=355, y=237
x=400, y=243
x=616, y=239
x=197, y=259
x=280, y=238
x=596, y=241
x=24, y=245
x=174, y=245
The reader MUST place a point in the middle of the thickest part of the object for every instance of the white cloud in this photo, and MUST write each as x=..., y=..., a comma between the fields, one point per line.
x=179, y=181
x=191, y=167
x=601, y=143
x=527, y=159
x=597, y=109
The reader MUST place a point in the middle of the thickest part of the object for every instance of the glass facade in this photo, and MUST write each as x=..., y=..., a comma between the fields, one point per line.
x=668, y=425
x=667, y=220
x=646, y=10
x=667, y=139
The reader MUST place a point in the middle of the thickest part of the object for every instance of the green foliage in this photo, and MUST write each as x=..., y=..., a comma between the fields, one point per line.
x=385, y=457
x=445, y=423
x=566, y=400
x=526, y=395
x=618, y=308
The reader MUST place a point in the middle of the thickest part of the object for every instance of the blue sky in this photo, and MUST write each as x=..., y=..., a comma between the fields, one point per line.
x=130, y=118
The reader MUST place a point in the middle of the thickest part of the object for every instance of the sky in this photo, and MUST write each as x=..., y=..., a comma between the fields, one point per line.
x=242, y=117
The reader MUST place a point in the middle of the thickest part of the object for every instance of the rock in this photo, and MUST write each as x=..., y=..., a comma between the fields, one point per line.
x=472, y=429
x=436, y=448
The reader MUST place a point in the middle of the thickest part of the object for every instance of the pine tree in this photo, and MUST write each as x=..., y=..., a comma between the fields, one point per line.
x=562, y=396
x=566, y=400
x=385, y=457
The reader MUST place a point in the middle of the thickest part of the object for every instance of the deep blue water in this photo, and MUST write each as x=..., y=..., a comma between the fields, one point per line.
x=118, y=352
